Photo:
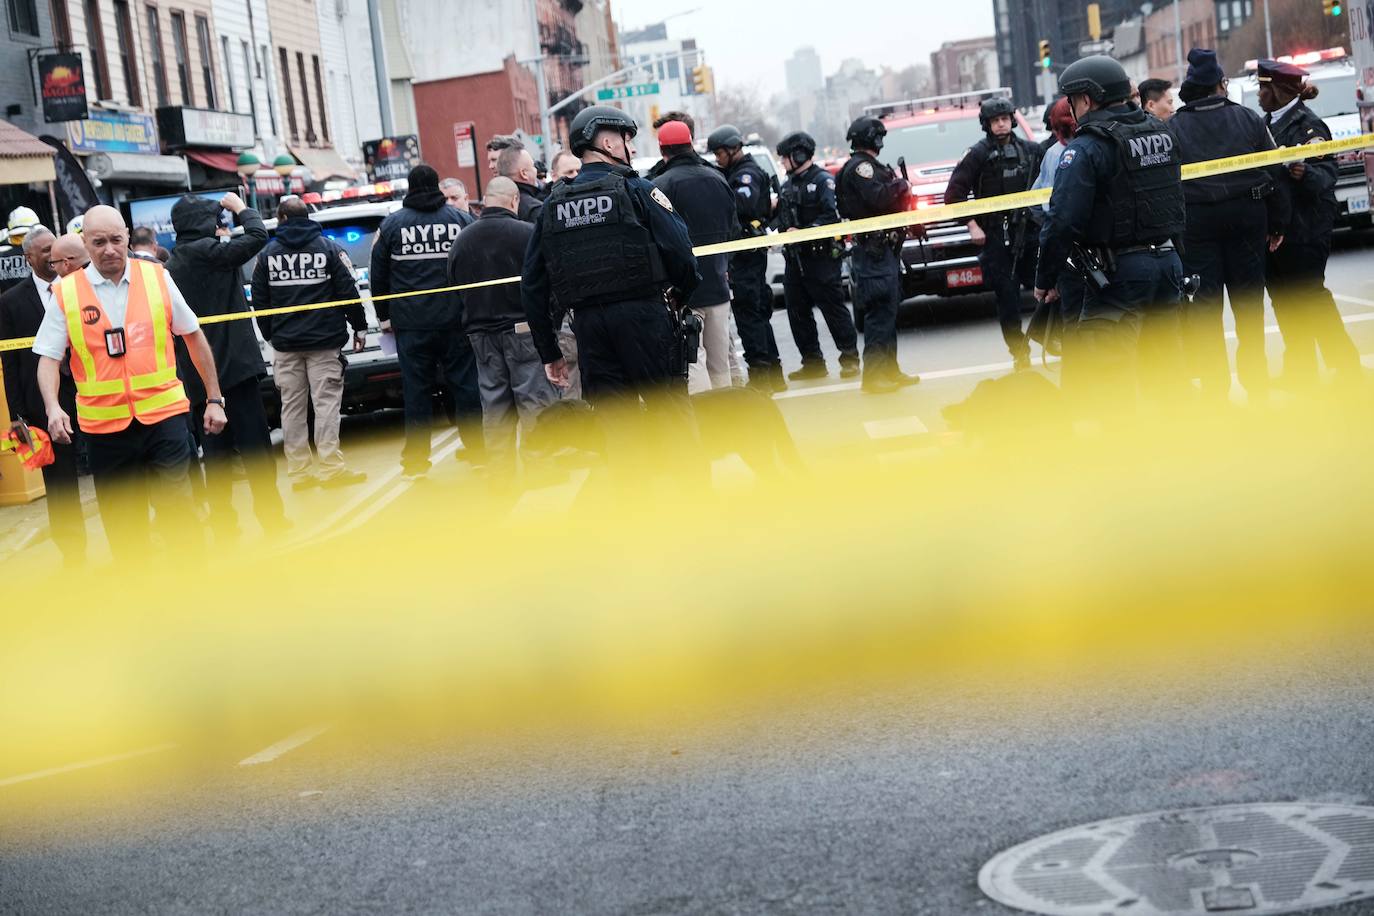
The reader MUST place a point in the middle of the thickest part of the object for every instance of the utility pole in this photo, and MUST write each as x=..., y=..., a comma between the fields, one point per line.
x=1268, y=34
x=1178, y=41
x=546, y=141
x=374, y=20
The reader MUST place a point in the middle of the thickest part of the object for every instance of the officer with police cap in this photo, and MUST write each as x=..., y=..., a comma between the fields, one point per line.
x=609, y=247
x=1233, y=218
x=751, y=295
x=1304, y=307
x=1117, y=207
x=812, y=275
x=1000, y=163
x=866, y=188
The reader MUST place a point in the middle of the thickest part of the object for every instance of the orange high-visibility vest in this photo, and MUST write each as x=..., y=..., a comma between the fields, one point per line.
x=113, y=391
x=39, y=455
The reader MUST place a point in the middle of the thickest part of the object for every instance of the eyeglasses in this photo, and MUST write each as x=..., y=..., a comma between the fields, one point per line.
x=61, y=260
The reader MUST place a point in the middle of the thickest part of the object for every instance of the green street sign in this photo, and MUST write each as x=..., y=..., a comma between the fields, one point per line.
x=626, y=92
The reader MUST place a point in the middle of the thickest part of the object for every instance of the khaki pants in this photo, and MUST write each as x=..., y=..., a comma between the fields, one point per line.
x=303, y=377
x=712, y=368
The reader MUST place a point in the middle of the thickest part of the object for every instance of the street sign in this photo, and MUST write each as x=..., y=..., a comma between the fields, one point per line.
x=463, y=133
x=1089, y=48
x=626, y=92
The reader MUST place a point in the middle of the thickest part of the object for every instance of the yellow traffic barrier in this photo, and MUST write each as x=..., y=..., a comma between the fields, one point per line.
x=964, y=210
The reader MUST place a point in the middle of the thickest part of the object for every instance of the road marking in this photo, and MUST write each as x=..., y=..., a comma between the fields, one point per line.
x=1355, y=300
x=895, y=427
x=555, y=499
x=285, y=745
x=86, y=764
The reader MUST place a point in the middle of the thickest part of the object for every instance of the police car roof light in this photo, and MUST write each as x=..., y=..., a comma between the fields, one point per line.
x=1305, y=58
x=933, y=103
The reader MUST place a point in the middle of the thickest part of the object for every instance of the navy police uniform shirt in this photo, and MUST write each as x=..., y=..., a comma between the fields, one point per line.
x=813, y=194
x=1088, y=163
x=666, y=227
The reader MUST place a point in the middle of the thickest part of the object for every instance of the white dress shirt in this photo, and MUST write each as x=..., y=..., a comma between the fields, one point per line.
x=44, y=288
x=51, y=340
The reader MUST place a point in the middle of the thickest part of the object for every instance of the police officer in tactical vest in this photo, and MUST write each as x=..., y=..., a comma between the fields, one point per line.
x=610, y=247
x=1305, y=310
x=812, y=275
x=1118, y=208
x=751, y=295
x=865, y=188
x=1232, y=220
x=1001, y=163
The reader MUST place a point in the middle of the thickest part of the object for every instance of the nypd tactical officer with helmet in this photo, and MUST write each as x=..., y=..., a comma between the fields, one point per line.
x=1117, y=208
x=1001, y=163
x=609, y=246
x=812, y=276
x=751, y=296
x=865, y=188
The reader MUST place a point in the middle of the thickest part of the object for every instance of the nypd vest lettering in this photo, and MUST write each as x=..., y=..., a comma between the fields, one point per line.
x=425, y=241
x=305, y=268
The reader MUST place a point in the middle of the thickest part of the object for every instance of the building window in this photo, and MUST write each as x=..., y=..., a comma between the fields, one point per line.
x=264, y=64
x=95, y=38
x=319, y=97
x=228, y=72
x=181, y=51
x=252, y=90
x=128, y=55
x=286, y=93
x=207, y=61
x=61, y=24
x=23, y=17
x=305, y=99
x=159, y=62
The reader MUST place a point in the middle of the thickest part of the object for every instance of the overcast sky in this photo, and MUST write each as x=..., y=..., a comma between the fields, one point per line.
x=747, y=41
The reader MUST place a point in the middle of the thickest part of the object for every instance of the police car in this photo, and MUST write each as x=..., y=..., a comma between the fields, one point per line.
x=931, y=135
x=1333, y=72
x=372, y=377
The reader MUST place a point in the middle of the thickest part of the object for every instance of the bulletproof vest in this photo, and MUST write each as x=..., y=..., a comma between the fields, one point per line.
x=847, y=200
x=760, y=203
x=1006, y=169
x=1145, y=195
x=597, y=246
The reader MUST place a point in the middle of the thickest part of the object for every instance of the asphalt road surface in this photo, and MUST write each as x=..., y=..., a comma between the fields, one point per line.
x=876, y=799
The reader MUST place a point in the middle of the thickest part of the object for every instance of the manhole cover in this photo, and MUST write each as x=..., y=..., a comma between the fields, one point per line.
x=1237, y=859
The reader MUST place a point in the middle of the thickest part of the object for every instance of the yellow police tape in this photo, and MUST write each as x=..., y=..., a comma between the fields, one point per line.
x=942, y=213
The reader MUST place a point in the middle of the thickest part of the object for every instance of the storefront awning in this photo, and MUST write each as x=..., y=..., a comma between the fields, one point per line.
x=138, y=168
x=323, y=163
x=215, y=159
x=23, y=157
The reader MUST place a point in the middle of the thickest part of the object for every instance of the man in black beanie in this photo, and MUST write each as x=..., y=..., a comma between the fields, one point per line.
x=411, y=253
x=1232, y=221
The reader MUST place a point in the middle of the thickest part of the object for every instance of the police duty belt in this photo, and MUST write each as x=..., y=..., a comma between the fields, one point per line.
x=939, y=214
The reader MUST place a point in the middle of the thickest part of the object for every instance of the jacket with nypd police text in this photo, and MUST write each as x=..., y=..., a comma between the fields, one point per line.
x=411, y=253
x=300, y=267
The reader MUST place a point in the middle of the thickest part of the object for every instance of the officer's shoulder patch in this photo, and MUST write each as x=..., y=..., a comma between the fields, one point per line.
x=1068, y=157
x=661, y=199
x=829, y=181
x=343, y=256
x=746, y=178
x=865, y=170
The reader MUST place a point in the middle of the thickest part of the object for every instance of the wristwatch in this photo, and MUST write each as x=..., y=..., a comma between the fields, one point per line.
x=219, y=401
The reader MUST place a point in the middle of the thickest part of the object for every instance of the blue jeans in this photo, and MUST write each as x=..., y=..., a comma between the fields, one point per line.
x=428, y=358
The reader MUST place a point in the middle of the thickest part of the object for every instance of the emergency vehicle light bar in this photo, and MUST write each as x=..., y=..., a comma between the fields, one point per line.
x=1305, y=59
x=937, y=102
x=380, y=189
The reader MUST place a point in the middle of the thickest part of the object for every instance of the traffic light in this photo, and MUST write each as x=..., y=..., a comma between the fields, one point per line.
x=703, y=80
x=1331, y=7
x=1046, y=60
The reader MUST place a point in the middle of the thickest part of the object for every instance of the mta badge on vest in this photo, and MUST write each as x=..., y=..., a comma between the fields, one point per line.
x=425, y=241
x=303, y=269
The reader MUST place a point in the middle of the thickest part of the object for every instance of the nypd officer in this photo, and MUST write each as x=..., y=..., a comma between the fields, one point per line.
x=1303, y=305
x=865, y=188
x=1117, y=207
x=1000, y=163
x=609, y=247
x=812, y=276
x=751, y=296
x=1232, y=219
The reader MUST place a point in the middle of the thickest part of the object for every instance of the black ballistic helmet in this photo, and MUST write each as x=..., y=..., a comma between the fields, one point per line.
x=994, y=108
x=1099, y=77
x=726, y=136
x=797, y=141
x=598, y=117
x=866, y=132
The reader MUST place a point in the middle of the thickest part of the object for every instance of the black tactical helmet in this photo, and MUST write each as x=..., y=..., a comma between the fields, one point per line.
x=1099, y=77
x=994, y=108
x=598, y=117
x=866, y=132
x=724, y=137
x=796, y=141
